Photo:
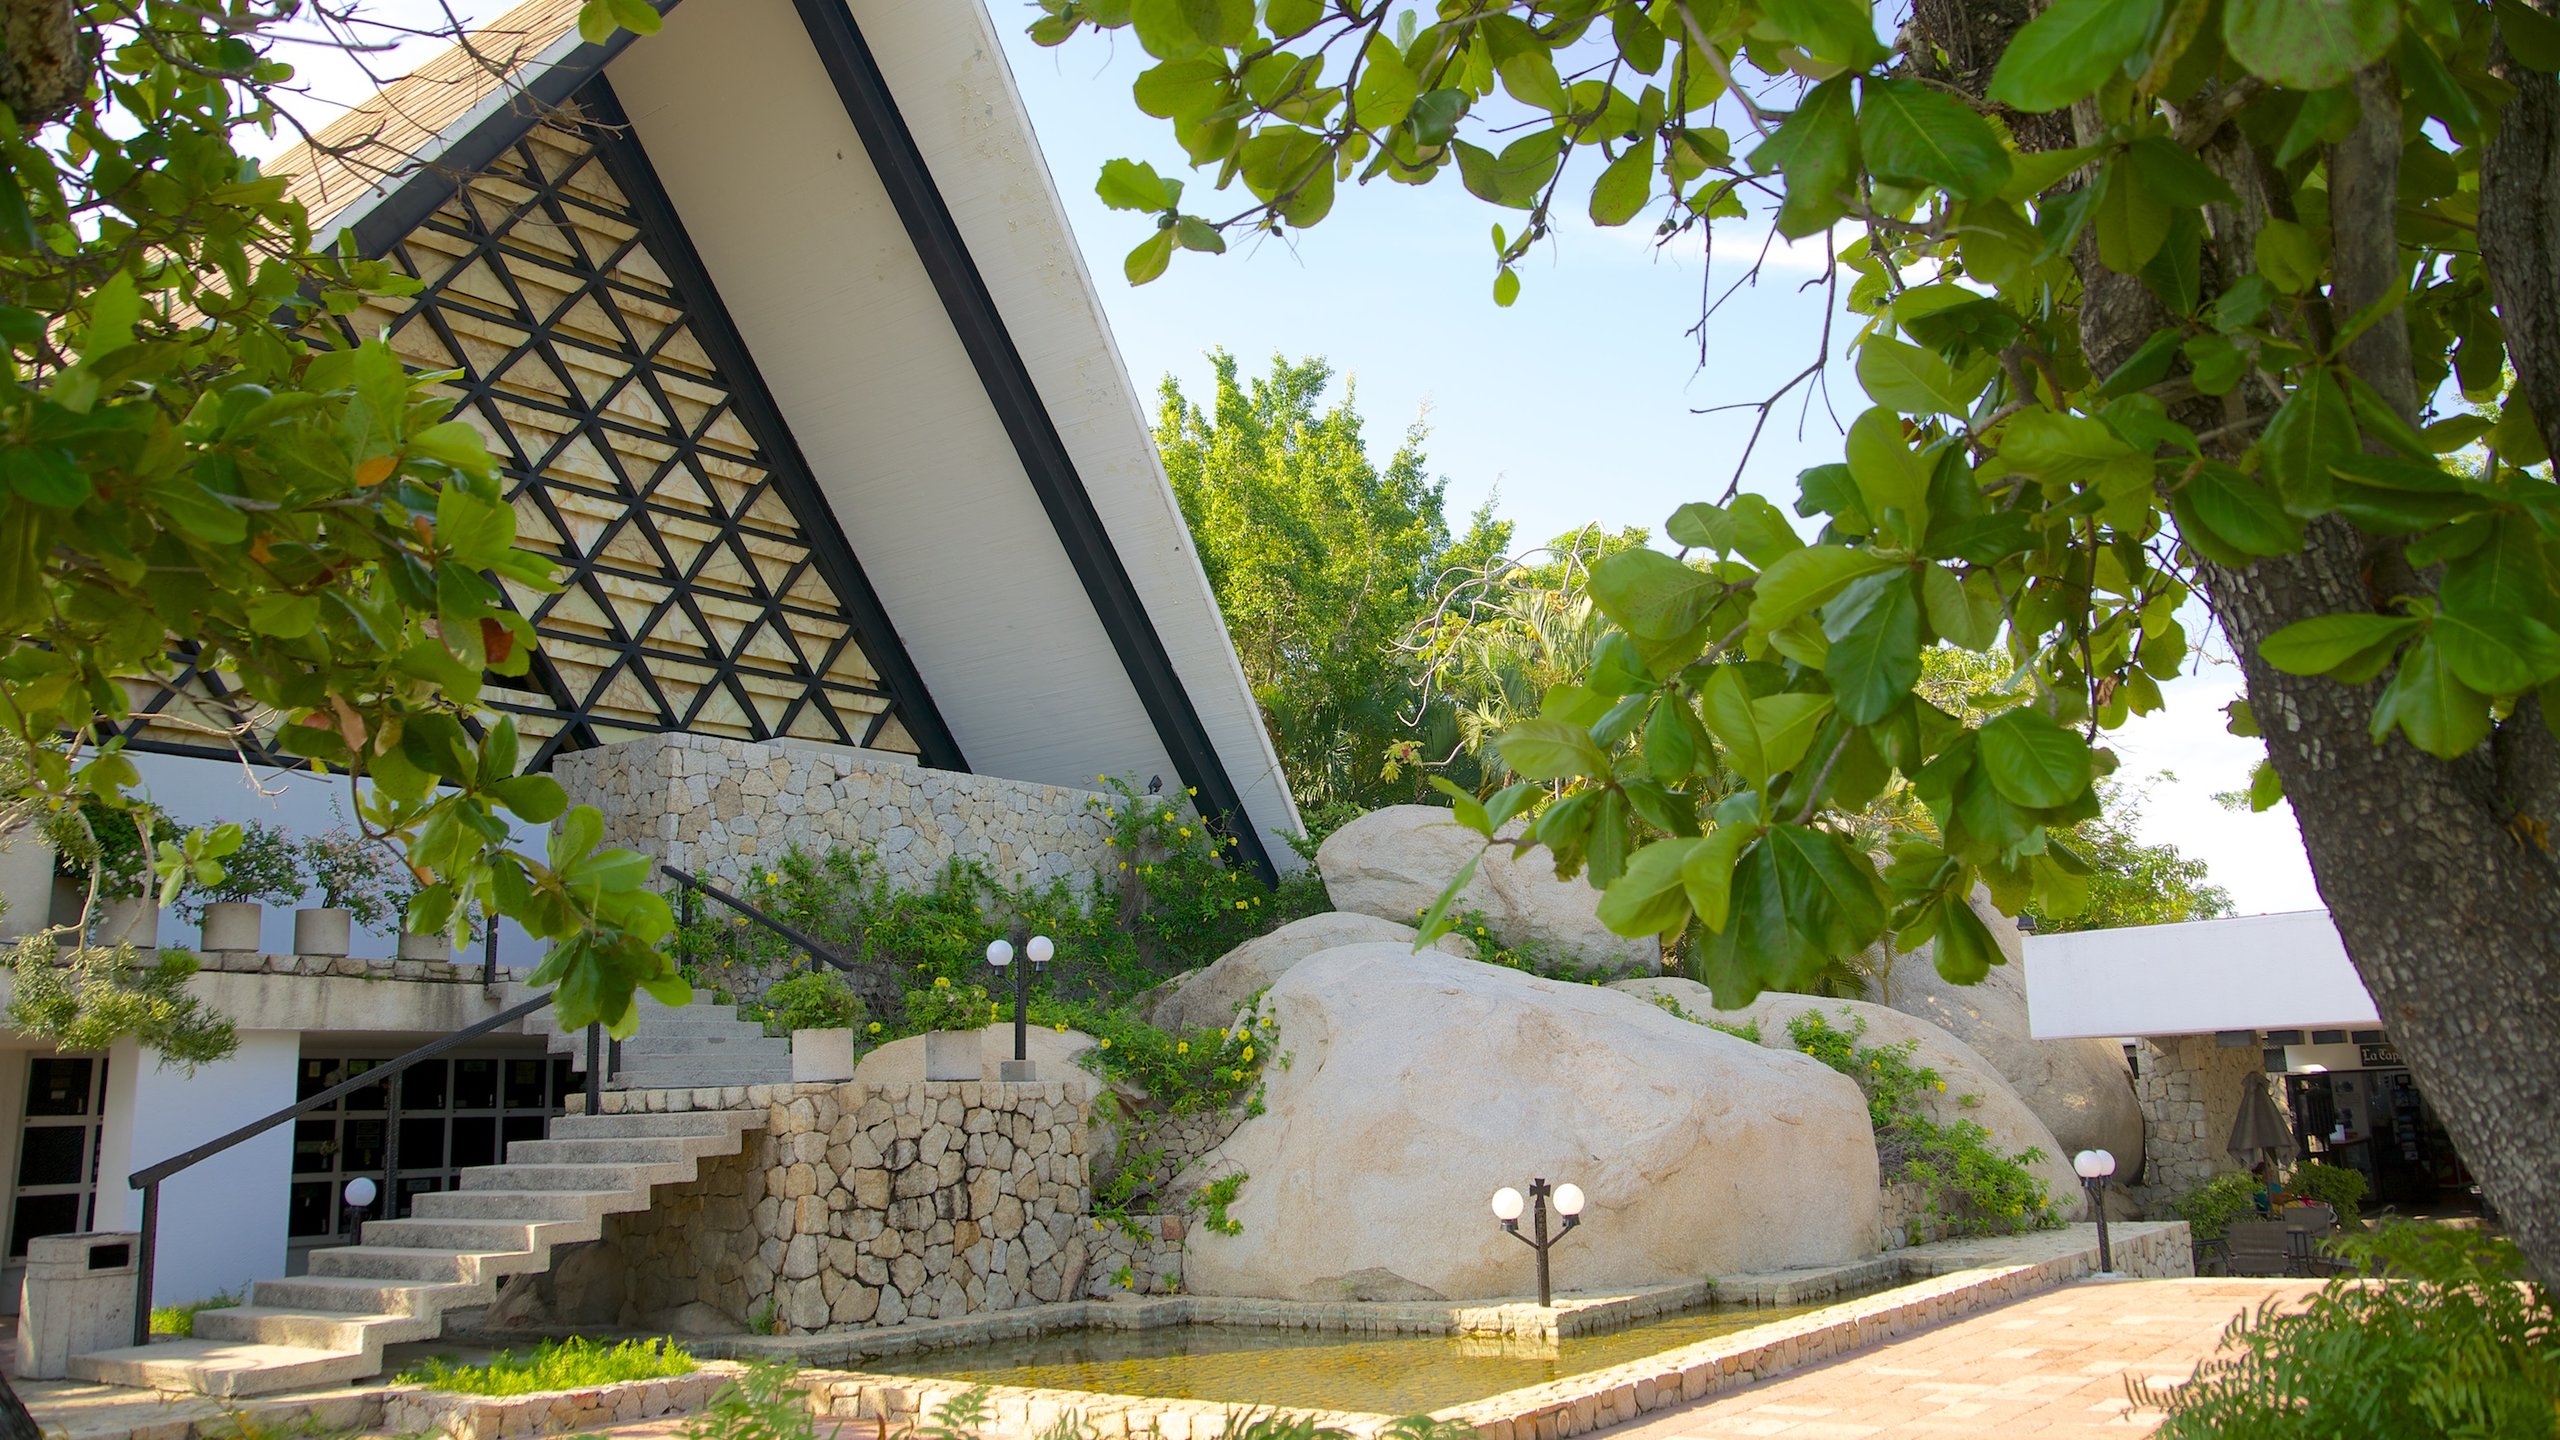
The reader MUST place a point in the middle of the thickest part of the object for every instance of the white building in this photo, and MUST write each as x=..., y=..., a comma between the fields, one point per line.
x=777, y=322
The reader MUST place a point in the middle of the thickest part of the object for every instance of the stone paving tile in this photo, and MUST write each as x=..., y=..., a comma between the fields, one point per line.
x=2051, y=1365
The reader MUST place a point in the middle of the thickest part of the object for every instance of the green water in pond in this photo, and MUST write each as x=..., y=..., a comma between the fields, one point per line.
x=1316, y=1369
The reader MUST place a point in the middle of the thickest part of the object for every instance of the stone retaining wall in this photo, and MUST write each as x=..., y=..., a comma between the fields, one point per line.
x=250, y=962
x=2189, y=1087
x=717, y=807
x=413, y=1410
x=857, y=1205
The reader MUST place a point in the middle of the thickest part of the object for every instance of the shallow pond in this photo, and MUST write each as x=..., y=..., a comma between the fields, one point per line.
x=1317, y=1369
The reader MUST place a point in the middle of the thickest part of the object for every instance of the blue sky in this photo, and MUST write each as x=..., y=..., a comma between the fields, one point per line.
x=1576, y=404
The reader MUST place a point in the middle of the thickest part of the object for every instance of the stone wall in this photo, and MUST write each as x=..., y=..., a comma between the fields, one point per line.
x=858, y=1205
x=2190, y=1088
x=718, y=807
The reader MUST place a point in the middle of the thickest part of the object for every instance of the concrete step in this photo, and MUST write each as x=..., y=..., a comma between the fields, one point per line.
x=651, y=1073
x=618, y=1150
x=316, y=1329
x=420, y=1264
x=744, y=1042
x=674, y=1122
x=501, y=1205
x=224, y=1369
x=339, y=1296
x=575, y=1177
x=488, y=1236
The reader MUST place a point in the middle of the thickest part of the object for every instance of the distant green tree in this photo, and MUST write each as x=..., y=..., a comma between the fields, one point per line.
x=1322, y=561
x=2132, y=882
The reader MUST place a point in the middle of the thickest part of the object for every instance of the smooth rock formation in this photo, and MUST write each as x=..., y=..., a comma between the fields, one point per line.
x=1393, y=863
x=2081, y=1089
x=1420, y=1084
x=901, y=1062
x=1996, y=1105
x=1209, y=995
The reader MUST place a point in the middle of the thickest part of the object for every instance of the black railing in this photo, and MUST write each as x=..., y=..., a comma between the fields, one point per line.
x=818, y=949
x=148, y=1180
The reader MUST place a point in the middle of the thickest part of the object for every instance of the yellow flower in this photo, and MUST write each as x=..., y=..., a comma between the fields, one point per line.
x=1186, y=832
x=874, y=1028
x=770, y=878
x=1190, y=789
x=1106, y=1042
x=1239, y=904
x=1181, y=1047
x=1942, y=1087
x=941, y=982
x=1267, y=1022
x=1060, y=1027
x=1248, y=1052
x=1098, y=780
x=1480, y=930
x=1107, y=840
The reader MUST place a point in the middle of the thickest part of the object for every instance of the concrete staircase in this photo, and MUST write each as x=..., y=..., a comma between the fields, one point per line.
x=329, y=1326
x=677, y=1047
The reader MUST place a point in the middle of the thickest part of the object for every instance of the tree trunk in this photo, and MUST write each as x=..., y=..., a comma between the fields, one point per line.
x=2437, y=874
x=41, y=76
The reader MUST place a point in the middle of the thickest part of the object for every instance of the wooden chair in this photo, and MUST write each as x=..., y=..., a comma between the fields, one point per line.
x=2258, y=1247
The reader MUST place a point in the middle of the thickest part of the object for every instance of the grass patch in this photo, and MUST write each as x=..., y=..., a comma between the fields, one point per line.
x=571, y=1364
x=180, y=1320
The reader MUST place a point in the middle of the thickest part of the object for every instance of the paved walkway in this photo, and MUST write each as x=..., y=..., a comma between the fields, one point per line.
x=2053, y=1365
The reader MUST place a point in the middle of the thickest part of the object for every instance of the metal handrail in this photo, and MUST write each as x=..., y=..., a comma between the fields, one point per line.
x=817, y=948
x=148, y=1179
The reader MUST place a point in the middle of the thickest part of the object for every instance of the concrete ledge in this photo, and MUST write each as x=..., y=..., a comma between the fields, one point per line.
x=1952, y=1282
x=417, y=1410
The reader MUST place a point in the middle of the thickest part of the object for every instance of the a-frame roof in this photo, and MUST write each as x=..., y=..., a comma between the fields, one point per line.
x=860, y=184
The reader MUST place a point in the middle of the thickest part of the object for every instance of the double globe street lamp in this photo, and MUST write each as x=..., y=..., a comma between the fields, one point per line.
x=1507, y=1206
x=2093, y=1167
x=1037, y=949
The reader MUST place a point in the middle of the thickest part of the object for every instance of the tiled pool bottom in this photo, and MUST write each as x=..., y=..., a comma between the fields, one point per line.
x=1319, y=1370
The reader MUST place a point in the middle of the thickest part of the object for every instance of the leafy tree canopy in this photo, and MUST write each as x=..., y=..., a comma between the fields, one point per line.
x=2156, y=302
x=190, y=488
x=1322, y=561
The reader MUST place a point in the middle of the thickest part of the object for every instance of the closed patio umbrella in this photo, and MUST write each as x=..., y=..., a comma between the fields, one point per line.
x=2259, y=1131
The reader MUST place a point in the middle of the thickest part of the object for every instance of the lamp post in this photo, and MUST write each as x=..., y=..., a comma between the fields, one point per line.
x=359, y=1197
x=2094, y=1166
x=1037, y=949
x=1507, y=1205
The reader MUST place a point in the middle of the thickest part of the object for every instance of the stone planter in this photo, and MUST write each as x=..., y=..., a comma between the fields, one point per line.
x=325, y=931
x=233, y=924
x=414, y=946
x=821, y=1056
x=134, y=920
x=952, y=1055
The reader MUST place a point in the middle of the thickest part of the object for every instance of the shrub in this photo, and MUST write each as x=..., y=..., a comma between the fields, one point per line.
x=1971, y=1186
x=353, y=874
x=2458, y=1341
x=92, y=996
x=812, y=1000
x=180, y=1320
x=2211, y=1209
x=95, y=837
x=1203, y=1069
x=2332, y=1185
x=570, y=1364
x=945, y=1006
x=265, y=867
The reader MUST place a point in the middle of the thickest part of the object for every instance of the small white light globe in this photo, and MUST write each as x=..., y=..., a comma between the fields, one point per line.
x=1568, y=1199
x=360, y=1192
x=2094, y=1164
x=999, y=953
x=1040, y=949
x=1507, y=1204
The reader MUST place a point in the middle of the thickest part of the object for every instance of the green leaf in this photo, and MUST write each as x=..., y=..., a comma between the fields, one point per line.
x=1965, y=616
x=2266, y=787
x=1649, y=898
x=2032, y=761
x=1838, y=32
x=1179, y=89
x=1874, y=629
x=1816, y=150
x=2242, y=513
x=1436, y=921
x=1386, y=89
x=2428, y=703
x=1915, y=135
x=1908, y=378
x=637, y=16
x=114, y=309
x=1964, y=951
x=2288, y=256
x=2174, y=176
x=1888, y=475
x=2530, y=35
x=1651, y=595
x=1150, y=258
x=1623, y=188
x=595, y=21
x=1796, y=582
x=1543, y=749
x=2497, y=653
x=2311, y=432
x=1708, y=875
x=2069, y=51
x=2309, y=44
x=1830, y=893
x=2327, y=643
x=1133, y=185
x=1516, y=177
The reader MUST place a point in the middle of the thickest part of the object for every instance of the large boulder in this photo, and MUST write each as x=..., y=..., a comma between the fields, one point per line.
x=901, y=1062
x=1976, y=1090
x=1393, y=863
x=2081, y=1089
x=1420, y=1084
x=1209, y=995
